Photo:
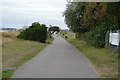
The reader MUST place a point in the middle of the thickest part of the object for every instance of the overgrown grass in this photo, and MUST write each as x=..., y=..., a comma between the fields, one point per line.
x=0, y=61
x=105, y=61
x=15, y=52
x=0, y=56
x=11, y=34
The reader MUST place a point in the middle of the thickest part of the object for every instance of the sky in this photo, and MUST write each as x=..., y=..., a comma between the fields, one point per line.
x=19, y=13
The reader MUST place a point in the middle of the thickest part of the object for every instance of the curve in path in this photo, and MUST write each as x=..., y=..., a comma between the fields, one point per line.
x=58, y=60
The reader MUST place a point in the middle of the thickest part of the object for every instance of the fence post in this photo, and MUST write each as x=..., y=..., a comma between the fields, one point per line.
x=118, y=47
x=107, y=40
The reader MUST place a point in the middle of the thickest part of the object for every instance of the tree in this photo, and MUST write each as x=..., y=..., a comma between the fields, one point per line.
x=94, y=14
x=54, y=28
x=83, y=17
x=93, y=20
x=36, y=32
x=71, y=17
x=113, y=12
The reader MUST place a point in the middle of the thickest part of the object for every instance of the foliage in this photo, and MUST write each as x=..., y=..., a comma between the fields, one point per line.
x=114, y=9
x=92, y=20
x=96, y=37
x=54, y=28
x=36, y=32
x=72, y=15
x=113, y=12
x=82, y=17
x=93, y=15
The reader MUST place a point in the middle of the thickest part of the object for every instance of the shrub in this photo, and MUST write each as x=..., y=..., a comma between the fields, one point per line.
x=36, y=32
x=96, y=37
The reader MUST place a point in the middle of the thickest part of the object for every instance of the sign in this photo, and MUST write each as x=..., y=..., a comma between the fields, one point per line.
x=114, y=38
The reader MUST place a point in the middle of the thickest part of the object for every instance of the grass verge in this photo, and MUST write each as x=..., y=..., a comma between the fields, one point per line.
x=16, y=52
x=105, y=61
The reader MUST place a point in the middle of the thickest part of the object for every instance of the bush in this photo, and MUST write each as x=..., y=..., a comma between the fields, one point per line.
x=96, y=37
x=36, y=32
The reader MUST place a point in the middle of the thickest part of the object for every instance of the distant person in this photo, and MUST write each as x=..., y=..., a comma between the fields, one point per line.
x=57, y=33
x=63, y=34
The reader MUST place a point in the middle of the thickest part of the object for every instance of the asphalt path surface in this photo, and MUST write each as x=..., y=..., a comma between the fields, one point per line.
x=58, y=60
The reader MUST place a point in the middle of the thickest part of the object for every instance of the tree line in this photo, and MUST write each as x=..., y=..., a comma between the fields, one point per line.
x=91, y=20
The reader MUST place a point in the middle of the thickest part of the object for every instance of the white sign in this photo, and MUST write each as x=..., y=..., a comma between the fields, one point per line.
x=114, y=38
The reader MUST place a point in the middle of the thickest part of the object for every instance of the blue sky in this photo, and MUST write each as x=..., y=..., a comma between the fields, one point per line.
x=18, y=13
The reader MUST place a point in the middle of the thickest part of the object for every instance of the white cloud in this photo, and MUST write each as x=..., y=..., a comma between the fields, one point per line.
x=40, y=9
x=0, y=16
x=45, y=11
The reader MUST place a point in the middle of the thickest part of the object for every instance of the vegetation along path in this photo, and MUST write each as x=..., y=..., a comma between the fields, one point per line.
x=58, y=60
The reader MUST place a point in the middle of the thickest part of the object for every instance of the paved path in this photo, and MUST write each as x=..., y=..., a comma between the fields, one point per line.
x=58, y=60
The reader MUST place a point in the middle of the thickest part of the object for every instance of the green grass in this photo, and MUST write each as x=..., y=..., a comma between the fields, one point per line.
x=16, y=53
x=0, y=56
x=105, y=61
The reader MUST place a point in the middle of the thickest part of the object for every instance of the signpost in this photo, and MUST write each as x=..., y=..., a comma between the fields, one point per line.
x=114, y=39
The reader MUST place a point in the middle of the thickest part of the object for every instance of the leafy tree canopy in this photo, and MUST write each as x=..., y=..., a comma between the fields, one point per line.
x=54, y=28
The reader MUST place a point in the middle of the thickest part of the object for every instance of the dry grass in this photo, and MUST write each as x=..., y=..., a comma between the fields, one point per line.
x=15, y=52
x=105, y=61
x=9, y=36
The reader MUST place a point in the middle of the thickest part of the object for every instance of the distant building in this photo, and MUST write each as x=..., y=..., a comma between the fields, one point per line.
x=6, y=29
